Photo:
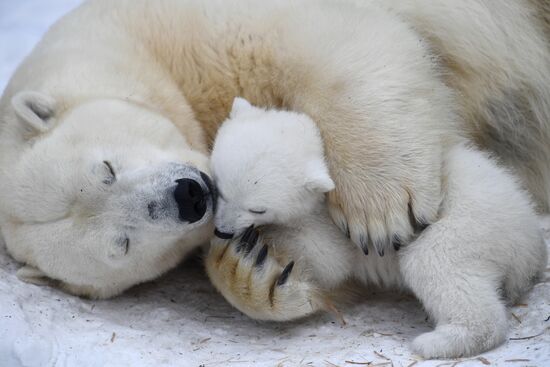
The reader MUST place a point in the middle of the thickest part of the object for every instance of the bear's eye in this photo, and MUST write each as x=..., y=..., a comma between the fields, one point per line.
x=111, y=176
x=257, y=211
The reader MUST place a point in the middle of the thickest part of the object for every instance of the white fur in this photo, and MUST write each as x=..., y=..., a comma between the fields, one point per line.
x=390, y=84
x=248, y=170
x=484, y=248
x=68, y=219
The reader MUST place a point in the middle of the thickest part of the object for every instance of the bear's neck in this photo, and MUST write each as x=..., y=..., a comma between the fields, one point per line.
x=212, y=62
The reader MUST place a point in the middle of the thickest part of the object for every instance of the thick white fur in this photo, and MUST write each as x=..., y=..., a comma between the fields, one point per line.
x=484, y=249
x=68, y=218
x=391, y=86
x=247, y=172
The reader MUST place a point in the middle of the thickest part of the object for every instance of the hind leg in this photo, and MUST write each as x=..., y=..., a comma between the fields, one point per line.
x=461, y=298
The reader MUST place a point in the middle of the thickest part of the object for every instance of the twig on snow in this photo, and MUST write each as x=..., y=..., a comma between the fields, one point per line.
x=483, y=360
x=382, y=356
x=531, y=336
x=361, y=363
x=518, y=360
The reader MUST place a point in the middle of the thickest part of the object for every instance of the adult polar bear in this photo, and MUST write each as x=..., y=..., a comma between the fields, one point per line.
x=90, y=149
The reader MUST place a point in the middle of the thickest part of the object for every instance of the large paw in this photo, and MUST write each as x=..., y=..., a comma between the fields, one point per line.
x=251, y=278
x=382, y=215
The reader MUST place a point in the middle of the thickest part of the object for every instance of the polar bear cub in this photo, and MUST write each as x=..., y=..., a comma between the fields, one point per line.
x=259, y=180
x=486, y=246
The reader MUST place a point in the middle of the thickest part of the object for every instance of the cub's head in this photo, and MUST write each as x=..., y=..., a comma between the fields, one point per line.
x=101, y=197
x=269, y=168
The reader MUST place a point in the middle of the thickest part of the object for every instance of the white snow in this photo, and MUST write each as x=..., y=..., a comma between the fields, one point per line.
x=179, y=320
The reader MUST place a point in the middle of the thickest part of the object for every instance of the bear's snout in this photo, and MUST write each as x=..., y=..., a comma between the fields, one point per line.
x=191, y=197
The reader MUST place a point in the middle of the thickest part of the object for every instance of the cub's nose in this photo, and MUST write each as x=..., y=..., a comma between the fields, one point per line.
x=191, y=200
x=223, y=235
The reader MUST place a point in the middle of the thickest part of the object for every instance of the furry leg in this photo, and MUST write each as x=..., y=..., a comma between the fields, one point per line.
x=460, y=297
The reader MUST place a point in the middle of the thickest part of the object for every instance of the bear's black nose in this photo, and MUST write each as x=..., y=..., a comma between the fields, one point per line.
x=191, y=200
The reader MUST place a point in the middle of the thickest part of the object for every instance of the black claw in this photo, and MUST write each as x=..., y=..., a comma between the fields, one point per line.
x=251, y=241
x=247, y=234
x=245, y=241
x=250, y=245
x=397, y=243
x=262, y=255
x=286, y=272
x=417, y=225
x=421, y=225
x=364, y=244
x=379, y=246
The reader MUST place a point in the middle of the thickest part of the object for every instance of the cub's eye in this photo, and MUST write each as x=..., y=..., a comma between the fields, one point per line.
x=111, y=176
x=257, y=211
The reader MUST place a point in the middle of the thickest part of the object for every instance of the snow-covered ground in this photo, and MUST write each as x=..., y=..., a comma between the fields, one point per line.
x=179, y=320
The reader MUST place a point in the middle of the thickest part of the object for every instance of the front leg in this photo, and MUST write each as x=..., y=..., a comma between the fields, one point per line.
x=263, y=286
x=385, y=195
x=386, y=169
x=385, y=115
x=385, y=152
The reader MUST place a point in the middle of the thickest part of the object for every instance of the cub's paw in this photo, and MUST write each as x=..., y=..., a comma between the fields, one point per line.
x=249, y=276
x=454, y=341
x=382, y=216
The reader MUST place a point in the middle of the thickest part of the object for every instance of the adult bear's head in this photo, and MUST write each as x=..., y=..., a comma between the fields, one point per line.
x=101, y=196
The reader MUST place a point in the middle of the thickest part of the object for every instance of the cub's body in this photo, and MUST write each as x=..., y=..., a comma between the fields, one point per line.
x=484, y=248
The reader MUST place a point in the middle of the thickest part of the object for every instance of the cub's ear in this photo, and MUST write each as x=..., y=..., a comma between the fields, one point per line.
x=30, y=274
x=317, y=177
x=35, y=110
x=240, y=105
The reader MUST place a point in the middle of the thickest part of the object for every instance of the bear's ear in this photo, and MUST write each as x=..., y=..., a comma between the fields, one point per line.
x=317, y=177
x=35, y=110
x=30, y=274
x=240, y=105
